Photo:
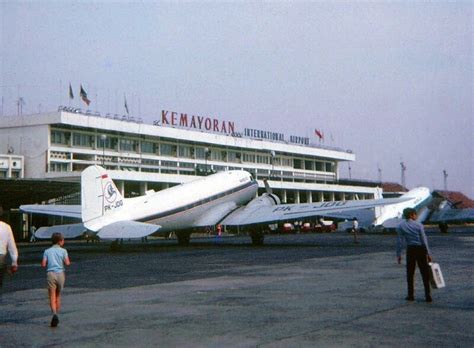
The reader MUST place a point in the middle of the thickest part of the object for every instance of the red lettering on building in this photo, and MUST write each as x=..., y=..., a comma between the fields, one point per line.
x=174, y=118
x=208, y=123
x=200, y=121
x=164, y=114
x=193, y=122
x=183, y=120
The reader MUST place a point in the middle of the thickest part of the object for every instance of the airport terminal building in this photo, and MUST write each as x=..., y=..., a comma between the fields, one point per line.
x=178, y=147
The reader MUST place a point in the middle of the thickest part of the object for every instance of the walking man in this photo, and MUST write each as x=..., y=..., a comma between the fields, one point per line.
x=413, y=234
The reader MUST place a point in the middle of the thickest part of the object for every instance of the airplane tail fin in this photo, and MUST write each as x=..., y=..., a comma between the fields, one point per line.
x=99, y=195
x=420, y=196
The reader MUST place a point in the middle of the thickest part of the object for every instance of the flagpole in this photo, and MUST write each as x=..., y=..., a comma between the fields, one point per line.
x=108, y=101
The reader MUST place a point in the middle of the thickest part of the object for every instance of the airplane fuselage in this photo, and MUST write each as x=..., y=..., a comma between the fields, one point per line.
x=189, y=205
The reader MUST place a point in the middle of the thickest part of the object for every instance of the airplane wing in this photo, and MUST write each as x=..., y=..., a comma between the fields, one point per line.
x=73, y=211
x=284, y=212
x=117, y=230
x=127, y=230
x=214, y=215
x=360, y=214
x=453, y=216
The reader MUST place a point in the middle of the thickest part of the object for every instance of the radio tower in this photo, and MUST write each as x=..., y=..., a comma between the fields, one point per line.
x=404, y=168
x=445, y=177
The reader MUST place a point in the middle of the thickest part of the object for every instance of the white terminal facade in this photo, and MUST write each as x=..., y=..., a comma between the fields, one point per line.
x=140, y=157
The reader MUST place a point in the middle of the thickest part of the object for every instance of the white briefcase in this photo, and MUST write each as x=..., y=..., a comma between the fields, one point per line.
x=436, y=276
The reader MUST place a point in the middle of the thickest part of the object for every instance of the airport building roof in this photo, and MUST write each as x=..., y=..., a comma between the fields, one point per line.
x=457, y=199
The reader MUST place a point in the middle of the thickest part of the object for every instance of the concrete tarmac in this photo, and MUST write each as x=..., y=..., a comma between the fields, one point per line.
x=296, y=291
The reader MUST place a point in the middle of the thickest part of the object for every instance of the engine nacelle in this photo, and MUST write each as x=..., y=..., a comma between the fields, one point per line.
x=266, y=199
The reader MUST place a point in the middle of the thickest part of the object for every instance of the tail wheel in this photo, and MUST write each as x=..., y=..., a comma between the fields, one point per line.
x=257, y=237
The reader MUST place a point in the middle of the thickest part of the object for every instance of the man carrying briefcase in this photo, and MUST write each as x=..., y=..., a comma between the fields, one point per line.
x=413, y=233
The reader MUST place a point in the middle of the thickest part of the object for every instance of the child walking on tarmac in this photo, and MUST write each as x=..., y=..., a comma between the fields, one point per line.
x=54, y=259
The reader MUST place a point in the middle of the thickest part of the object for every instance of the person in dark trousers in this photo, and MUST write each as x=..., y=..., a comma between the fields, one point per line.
x=54, y=259
x=355, y=229
x=413, y=234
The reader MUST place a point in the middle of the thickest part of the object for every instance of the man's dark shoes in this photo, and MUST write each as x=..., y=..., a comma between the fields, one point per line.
x=429, y=299
x=410, y=298
x=54, y=321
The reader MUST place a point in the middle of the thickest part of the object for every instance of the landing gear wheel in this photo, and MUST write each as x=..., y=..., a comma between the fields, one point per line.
x=257, y=238
x=115, y=245
x=183, y=238
x=443, y=227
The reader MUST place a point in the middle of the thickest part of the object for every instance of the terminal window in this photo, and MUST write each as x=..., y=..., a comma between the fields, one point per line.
x=59, y=137
x=148, y=147
x=168, y=150
x=83, y=140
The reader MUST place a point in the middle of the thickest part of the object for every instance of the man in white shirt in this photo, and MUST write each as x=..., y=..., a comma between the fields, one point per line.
x=7, y=244
x=355, y=229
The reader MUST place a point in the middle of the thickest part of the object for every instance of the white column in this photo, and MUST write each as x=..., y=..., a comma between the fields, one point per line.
x=121, y=187
x=143, y=187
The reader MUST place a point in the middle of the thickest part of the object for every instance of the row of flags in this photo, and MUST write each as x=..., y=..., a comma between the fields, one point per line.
x=83, y=95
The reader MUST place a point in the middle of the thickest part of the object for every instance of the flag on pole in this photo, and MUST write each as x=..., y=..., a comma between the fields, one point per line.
x=83, y=95
x=71, y=95
x=125, y=103
x=319, y=134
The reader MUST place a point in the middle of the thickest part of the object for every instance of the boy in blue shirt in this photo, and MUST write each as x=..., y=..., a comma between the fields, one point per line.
x=54, y=259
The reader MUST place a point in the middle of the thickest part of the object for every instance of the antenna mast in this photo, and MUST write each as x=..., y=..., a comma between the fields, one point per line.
x=403, y=168
x=445, y=179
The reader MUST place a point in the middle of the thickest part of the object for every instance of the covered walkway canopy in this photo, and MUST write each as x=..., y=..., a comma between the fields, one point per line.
x=15, y=192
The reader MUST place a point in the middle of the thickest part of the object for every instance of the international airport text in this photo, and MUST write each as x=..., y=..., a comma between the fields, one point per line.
x=180, y=119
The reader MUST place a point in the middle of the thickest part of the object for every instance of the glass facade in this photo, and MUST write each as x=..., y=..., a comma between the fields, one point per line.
x=116, y=151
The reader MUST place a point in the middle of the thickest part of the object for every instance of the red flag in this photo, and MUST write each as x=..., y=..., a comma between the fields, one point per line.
x=83, y=95
x=319, y=134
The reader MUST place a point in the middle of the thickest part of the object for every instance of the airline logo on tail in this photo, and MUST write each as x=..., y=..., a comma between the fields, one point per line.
x=110, y=195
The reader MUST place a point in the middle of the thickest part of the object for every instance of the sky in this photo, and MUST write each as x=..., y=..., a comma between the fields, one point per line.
x=390, y=81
